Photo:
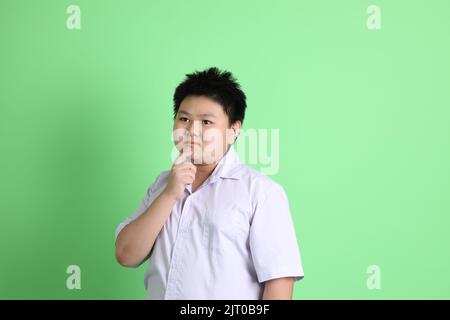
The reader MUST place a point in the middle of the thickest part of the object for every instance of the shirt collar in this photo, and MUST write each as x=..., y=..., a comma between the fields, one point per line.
x=227, y=166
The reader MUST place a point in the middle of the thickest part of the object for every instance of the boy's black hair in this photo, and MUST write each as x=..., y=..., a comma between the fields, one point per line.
x=218, y=85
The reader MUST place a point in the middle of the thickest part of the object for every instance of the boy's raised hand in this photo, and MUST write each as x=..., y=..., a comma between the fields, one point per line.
x=182, y=173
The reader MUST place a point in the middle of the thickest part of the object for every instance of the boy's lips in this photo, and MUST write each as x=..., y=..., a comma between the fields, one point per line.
x=192, y=144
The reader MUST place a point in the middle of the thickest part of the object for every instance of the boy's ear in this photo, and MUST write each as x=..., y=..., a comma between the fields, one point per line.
x=234, y=131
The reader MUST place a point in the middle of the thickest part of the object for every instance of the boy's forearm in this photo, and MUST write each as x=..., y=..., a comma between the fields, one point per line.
x=278, y=289
x=136, y=239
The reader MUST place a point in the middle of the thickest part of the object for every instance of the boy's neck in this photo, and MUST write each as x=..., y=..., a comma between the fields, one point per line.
x=203, y=172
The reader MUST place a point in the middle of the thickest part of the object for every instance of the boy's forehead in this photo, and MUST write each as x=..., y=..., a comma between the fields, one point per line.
x=200, y=106
x=206, y=114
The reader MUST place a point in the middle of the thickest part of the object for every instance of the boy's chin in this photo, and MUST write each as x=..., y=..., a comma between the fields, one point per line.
x=202, y=161
x=197, y=160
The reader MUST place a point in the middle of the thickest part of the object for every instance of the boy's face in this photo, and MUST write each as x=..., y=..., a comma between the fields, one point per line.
x=202, y=130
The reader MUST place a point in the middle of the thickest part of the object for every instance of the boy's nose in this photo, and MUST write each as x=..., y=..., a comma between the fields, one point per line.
x=195, y=128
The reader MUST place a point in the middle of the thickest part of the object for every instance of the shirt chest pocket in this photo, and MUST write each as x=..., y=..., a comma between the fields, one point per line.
x=225, y=227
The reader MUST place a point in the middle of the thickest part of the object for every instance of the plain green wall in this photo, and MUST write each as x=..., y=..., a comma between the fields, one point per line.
x=86, y=117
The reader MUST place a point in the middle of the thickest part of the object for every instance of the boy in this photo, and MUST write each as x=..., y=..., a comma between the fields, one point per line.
x=211, y=226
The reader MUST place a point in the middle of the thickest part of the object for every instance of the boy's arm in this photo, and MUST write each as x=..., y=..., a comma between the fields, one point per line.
x=135, y=241
x=137, y=238
x=279, y=289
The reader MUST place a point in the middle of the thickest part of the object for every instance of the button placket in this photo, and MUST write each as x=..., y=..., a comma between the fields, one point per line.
x=175, y=263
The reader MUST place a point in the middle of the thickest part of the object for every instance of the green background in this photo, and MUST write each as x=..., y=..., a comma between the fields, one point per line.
x=86, y=118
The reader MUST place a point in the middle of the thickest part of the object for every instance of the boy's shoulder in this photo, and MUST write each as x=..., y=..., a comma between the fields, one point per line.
x=258, y=181
x=161, y=179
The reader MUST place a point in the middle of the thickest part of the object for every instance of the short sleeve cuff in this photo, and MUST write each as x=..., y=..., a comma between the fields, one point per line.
x=296, y=273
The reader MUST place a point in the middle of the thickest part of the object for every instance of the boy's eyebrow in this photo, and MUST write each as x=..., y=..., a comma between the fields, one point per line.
x=202, y=114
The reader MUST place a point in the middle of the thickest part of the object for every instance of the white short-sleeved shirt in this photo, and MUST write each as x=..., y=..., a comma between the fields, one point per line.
x=223, y=240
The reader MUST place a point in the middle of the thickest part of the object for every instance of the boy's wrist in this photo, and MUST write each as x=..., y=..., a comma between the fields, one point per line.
x=168, y=196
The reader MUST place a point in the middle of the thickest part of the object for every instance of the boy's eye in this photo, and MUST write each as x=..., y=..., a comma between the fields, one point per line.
x=184, y=119
x=206, y=122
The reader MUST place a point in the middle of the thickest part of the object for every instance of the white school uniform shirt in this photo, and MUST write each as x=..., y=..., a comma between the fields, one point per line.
x=224, y=240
